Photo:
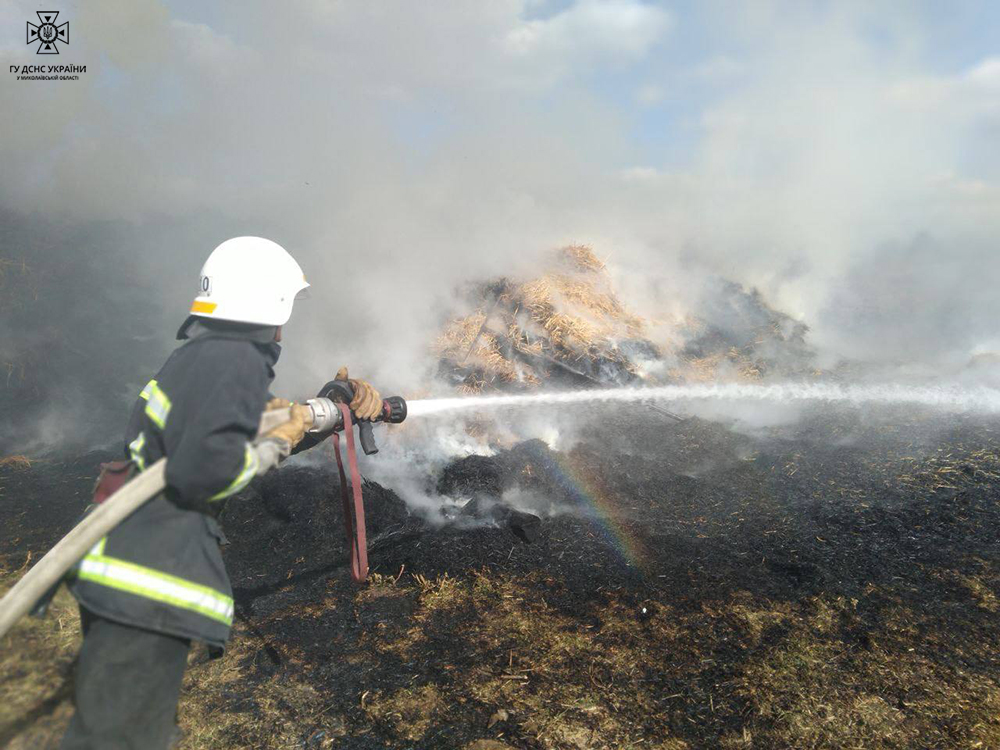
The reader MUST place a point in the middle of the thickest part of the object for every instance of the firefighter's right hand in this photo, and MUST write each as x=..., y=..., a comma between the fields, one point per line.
x=295, y=428
x=367, y=403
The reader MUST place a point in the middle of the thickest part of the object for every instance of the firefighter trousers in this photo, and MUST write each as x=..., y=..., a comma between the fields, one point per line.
x=126, y=687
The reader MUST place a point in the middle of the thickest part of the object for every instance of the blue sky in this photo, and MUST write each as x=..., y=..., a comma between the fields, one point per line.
x=659, y=93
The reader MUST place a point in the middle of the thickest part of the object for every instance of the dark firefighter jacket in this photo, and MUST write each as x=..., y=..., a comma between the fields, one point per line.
x=161, y=569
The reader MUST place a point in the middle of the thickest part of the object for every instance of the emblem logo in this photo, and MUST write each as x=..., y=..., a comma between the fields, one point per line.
x=47, y=34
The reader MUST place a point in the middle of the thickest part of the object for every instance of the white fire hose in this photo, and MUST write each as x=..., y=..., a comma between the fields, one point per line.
x=50, y=569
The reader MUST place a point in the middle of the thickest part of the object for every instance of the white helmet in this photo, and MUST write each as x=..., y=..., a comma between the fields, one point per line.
x=249, y=280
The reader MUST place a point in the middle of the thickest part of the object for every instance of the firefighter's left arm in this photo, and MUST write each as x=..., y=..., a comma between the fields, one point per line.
x=277, y=444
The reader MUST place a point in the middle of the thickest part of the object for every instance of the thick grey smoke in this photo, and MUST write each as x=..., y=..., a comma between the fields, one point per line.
x=828, y=154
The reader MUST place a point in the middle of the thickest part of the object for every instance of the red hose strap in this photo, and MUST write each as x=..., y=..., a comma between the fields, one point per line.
x=354, y=522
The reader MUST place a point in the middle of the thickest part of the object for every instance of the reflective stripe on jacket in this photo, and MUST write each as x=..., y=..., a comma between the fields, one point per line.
x=161, y=569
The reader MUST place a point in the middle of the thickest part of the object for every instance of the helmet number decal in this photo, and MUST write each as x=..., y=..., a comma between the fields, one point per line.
x=206, y=286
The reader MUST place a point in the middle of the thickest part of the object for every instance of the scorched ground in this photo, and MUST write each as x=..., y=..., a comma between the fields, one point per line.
x=830, y=584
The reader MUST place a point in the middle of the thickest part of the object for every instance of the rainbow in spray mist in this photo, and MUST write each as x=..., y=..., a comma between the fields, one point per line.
x=601, y=500
x=603, y=506
x=945, y=398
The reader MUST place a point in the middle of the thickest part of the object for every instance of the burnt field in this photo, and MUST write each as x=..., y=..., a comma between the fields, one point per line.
x=832, y=584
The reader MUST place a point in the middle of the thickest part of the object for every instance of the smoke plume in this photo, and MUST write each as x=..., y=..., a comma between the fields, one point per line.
x=842, y=159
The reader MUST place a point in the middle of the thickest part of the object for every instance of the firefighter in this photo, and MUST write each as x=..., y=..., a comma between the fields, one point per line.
x=157, y=581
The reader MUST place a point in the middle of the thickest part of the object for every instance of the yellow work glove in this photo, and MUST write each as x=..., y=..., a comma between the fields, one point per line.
x=295, y=428
x=367, y=403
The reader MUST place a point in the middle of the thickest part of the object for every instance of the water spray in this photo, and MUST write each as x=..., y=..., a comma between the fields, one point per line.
x=331, y=415
x=946, y=398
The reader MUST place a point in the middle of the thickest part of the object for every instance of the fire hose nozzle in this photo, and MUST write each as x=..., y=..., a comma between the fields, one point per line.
x=393, y=409
x=327, y=417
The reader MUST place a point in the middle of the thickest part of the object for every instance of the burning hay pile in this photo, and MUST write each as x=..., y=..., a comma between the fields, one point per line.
x=569, y=326
x=736, y=335
x=567, y=323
